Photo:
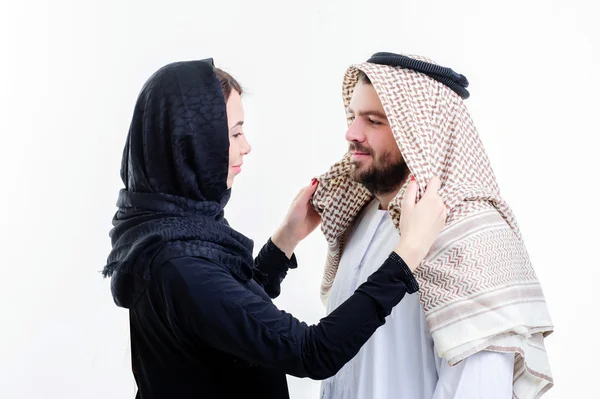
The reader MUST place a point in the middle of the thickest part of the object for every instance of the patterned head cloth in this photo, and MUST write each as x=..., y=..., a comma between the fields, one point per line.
x=478, y=288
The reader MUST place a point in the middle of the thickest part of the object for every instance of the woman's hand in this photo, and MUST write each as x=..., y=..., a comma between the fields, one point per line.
x=300, y=221
x=420, y=223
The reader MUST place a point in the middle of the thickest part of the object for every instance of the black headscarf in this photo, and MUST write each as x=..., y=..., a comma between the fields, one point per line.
x=174, y=168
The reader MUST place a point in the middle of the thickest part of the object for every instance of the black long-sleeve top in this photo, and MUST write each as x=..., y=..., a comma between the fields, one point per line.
x=198, y=332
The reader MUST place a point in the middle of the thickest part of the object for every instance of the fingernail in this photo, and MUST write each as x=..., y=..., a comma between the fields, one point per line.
x=313, y=182
x=412, y=178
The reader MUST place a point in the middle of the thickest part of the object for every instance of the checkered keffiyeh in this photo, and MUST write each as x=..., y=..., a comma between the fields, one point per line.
x=478, y=288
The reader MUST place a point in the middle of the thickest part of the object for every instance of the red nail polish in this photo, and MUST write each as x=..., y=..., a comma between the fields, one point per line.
x=412, y=178
x=313, y=182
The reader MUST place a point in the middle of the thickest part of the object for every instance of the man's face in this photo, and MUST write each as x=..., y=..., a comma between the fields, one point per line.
x=378, y=164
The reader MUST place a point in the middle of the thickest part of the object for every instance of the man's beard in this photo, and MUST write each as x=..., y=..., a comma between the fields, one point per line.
x=383, y=176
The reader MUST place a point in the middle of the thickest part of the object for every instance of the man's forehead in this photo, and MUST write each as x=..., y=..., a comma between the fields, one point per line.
x=364, y=94
x=365, y=101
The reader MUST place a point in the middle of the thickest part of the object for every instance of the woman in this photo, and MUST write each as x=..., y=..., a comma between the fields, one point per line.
x=201, y=317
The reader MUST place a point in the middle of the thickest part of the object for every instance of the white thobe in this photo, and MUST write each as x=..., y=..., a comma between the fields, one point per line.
x=399, y=360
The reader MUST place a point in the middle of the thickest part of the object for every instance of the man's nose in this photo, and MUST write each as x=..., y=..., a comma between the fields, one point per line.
x=355, y=132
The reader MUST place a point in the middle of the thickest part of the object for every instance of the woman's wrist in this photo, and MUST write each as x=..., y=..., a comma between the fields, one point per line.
x=284, y=241
x=411, y=254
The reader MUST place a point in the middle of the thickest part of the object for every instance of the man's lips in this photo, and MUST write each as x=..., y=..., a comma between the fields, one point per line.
x=358, y=154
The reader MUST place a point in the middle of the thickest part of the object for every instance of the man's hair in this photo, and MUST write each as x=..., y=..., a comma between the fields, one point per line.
x=228, y=83
x=362, y=77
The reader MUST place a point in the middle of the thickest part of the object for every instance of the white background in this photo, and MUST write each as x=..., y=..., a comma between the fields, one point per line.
x=70, y=73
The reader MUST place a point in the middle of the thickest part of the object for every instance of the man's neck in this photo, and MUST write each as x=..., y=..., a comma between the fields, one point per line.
x=385, y=199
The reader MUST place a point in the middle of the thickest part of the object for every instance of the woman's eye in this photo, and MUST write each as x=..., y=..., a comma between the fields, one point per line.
x=237, y=135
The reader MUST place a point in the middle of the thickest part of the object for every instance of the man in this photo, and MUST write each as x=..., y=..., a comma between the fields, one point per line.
x=477, y=330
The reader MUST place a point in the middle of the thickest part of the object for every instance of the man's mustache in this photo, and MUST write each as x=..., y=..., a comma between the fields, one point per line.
x=359, y=148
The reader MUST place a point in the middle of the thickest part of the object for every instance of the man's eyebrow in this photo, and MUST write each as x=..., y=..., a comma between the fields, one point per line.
x=240, y=123
x=368, y=113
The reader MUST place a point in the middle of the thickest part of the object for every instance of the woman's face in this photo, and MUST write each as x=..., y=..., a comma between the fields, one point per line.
x=238, y=145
